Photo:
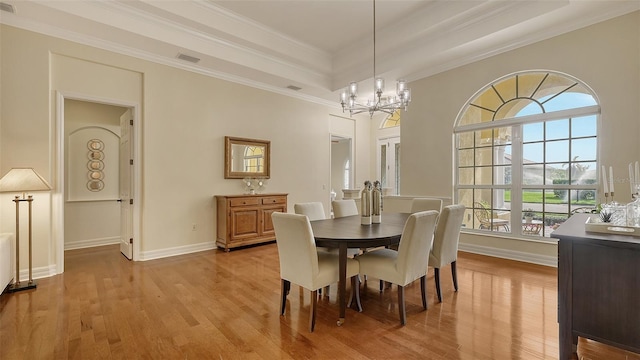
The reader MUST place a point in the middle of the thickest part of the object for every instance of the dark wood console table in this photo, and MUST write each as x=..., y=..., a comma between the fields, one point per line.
x=598, y=287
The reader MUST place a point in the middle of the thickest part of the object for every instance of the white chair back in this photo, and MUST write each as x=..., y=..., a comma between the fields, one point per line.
x=417, y=237
x=296, y=249
x=447, y=236
x=342, y=208
x=313, y=210
x=425, y=204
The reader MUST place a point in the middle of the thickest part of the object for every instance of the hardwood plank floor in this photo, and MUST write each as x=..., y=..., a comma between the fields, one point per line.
x=217, y=305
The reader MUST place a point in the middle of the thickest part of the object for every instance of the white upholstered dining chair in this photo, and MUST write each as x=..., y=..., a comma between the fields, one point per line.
x=313, y=210
x=424, y=204
x=302, y=264
x=409, y=262
x=445, y=244
x=342, y=208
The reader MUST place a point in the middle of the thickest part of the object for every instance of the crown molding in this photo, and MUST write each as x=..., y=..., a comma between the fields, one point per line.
x=82, y=39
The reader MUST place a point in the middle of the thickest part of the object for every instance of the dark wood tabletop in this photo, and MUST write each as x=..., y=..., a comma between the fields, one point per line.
x=333, y=232
x=347, y=232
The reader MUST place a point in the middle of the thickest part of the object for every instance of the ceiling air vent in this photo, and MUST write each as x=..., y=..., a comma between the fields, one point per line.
x=293, y=87
x=7, y=7
x=188, y=58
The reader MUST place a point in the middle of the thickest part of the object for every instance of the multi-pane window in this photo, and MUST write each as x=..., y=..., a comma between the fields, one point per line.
x=526, y=151
x=253, y=159
x=347, y=174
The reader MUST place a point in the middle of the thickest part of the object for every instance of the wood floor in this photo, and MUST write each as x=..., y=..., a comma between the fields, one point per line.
x=216, y=305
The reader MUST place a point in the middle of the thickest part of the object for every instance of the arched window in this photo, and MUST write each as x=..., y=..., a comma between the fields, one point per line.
x=253, y=157
x=392, y=120
x=526, y=153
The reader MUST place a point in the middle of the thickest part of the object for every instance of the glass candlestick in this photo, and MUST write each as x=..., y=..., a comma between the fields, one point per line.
x=633, y=209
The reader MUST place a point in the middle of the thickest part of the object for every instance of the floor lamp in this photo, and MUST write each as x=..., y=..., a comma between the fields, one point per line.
x=22, y=180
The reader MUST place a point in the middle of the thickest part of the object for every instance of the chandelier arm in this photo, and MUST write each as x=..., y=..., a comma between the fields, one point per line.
x=379, y=103
x=374, y=46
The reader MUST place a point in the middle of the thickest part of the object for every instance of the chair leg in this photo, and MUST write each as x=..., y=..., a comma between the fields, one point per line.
x=401, y=309
x=312, y=311
x=454, y=274
x=384, y=285
x=437, y=279
x=355, y=292
x=285, y=286
x=423, y=290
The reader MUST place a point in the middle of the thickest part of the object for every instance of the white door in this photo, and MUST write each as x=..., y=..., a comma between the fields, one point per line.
x=126, y=198
x=388, y=159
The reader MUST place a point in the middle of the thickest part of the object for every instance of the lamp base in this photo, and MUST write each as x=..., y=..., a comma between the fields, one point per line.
x=23, y=285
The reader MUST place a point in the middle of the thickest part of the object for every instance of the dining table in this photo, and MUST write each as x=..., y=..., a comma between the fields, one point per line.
x=347, y=232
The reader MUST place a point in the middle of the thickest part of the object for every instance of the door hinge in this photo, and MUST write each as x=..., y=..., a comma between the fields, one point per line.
x=131, y=241
x=131, y=122
x=130, y=201
x=130, y=161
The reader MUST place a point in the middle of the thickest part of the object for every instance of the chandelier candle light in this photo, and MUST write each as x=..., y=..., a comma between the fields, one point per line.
x=380, y=102
x=634, y=179
x=608, y=187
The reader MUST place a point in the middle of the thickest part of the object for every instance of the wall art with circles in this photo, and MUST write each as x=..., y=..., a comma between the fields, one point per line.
x=93, y=154
x=95, y=175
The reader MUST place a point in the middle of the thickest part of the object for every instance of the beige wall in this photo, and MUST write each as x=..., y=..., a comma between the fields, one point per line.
x=184, y=117
x=605, y=56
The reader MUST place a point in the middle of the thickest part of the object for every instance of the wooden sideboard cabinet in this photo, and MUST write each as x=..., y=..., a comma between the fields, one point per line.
x=246, y=219
x=598, y=287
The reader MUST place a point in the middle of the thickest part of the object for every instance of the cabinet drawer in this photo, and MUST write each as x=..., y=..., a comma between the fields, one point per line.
x=243, y=220
x=244, y=201
x=274, y=200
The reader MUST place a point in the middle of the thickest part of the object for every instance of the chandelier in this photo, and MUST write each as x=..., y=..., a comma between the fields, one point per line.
x=380, y=103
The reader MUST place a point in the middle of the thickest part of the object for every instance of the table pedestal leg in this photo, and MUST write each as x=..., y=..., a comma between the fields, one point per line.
x=342, y=283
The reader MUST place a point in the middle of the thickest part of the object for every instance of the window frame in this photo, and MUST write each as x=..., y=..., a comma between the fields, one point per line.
x=516, y=186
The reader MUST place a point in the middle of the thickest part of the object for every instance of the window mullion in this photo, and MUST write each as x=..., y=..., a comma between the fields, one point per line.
x=516, y=181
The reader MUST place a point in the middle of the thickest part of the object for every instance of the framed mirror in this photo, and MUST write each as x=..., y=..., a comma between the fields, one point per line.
x=246, y=158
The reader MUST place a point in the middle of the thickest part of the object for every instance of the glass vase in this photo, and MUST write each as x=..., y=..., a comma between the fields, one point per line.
x=633, y=213
x=618, y=213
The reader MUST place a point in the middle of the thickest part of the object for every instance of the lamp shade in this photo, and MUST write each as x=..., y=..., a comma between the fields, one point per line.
x=23, y=180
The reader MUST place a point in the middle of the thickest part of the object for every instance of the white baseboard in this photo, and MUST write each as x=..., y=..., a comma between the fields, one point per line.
x=510, y=254
x=82, y=244
x=37, y=273
x=179, y=250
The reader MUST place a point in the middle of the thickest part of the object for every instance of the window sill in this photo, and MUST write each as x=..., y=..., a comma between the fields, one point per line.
x=510, y=236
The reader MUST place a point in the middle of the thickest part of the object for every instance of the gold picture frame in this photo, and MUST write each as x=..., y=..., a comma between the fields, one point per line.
x=245, y=157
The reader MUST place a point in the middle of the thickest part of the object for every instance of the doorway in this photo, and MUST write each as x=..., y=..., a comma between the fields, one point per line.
x=388, y=161
x=341, y=165
x=95, y=169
